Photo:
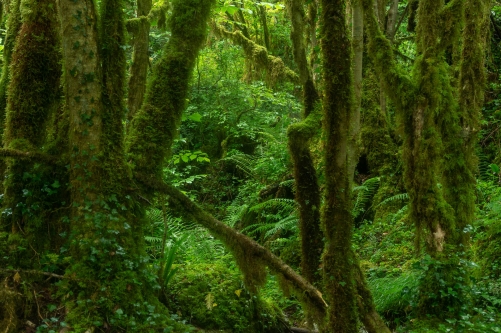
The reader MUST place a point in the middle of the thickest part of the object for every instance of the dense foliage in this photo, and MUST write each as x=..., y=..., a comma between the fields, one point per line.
x=248, y=166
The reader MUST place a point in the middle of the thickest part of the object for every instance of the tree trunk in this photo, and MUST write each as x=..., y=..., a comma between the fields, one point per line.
x=33, y=95
x=299, y=135
x=337, y=220
x=391, y=22
x=358, y=52
x=140, y=59
x=264, y=24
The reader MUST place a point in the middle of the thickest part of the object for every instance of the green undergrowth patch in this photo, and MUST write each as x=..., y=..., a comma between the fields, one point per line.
x=212, y=296
x=386, y=246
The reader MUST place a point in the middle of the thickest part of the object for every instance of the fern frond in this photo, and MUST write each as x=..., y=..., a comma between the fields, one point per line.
x=287, y=224
x=152, y=239
x=235, y=214
x=396, y=197
x=243, y=162
x=280, y=203
x=291, y=183
x=365, y=193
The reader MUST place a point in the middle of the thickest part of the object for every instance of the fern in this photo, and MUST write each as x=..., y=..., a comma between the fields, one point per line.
x=243, y=162
x=280, y=203
x=288, y=223
x=396, y=197
x=235, y=214
x=365, y=192
x=289, y=183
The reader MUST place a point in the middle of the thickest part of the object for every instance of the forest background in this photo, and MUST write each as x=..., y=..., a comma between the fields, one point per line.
x=248, y=166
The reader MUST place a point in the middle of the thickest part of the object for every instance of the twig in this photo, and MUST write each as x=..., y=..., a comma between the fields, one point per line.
x=38, y=307
x=33, y=272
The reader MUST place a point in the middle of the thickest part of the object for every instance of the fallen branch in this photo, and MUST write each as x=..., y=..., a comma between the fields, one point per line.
x=34, y=272
x=239, y=243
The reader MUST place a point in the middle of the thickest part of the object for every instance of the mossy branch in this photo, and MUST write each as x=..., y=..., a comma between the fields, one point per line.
x=300, y=133
x=132, y=25
x=274, y=67
x=397, y=83
x=250, y=255
x=157, y=13
x=30, y=156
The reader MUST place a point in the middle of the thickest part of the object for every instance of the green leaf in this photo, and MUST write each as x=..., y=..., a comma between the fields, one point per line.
x=494, y=168
x=195, y=117
x=56, y=184
x=229, y=9
x=185, y=158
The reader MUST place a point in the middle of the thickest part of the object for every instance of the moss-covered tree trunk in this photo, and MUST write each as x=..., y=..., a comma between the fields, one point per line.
x=140, y=59
x=299, y=135
x=33, y=95
x=106, y=227
x=358, y=55
x=12, y=26
x=337, y=220
x=440, y=186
